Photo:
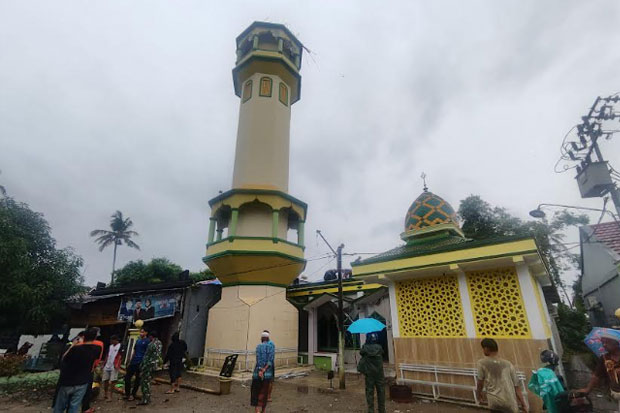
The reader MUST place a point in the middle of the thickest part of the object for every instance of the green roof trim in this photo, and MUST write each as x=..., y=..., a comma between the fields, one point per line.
x=234, y=191
x=280, y=59
x=452, y=243
x=238, y=283
x=253, y=253
x=421, y=267
x=267, y=25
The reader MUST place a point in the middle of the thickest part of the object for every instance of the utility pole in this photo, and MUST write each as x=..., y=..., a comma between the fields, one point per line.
x=595, y=178
x=338, y=254
x=341, y=375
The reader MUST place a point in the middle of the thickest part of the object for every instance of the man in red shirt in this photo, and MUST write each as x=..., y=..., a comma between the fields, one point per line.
x=88, y=396
x=76, y=374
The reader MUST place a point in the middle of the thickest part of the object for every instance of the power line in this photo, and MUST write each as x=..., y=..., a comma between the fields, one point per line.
x=274, y=266
x=321, y=267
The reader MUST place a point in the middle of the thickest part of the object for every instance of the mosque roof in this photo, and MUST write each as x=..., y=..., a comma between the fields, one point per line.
x=430, y=213
x=435, y=245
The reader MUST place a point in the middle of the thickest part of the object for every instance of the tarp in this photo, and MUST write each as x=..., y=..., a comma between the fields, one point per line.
x=148, y=306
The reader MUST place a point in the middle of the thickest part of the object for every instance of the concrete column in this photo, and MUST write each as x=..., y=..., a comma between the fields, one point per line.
x=311, y=335
x=274, y=224
x=212, y=222
x=363, y=313
x=300, y=233
x=219, y=234
x=394, y=310
x=529, y=300
x=234, y=217
x=468, y=315
x=554, y=343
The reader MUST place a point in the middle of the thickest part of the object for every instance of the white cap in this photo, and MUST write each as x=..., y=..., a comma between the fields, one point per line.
x=264, y=334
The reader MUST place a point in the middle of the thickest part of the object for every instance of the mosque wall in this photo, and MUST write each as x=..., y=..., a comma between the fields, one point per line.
x=441, y=319
x=464, y=353
x=498, y=302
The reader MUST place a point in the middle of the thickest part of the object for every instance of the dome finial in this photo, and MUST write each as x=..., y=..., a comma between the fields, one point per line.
x=423, y=176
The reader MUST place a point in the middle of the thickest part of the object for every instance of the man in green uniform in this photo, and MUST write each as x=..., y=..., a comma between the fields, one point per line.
x=371, y=366
x=148, y=365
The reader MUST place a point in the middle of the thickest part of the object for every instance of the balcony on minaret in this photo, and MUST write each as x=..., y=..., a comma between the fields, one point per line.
x=268, y=48
x=256, y=236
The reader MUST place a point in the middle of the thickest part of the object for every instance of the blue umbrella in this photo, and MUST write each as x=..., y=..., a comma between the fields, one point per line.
x=365, y=325
x=593, y=340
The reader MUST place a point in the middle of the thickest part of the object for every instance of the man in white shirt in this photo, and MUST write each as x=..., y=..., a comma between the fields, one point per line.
x=111, y=367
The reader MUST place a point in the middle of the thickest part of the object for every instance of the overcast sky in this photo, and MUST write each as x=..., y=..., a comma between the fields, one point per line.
x=129, y=105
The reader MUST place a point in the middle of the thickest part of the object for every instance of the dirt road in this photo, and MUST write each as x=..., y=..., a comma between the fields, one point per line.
x=293, y=395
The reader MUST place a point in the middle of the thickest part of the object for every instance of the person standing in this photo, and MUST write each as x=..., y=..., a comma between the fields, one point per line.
x=148, y=365
x=174, y=355
x=76, y=374
x=500, y=379
x=546, y=384
x=111, y=367
x=134, y=365
x=90, y=396
x=273, y=368
x=371, y=366
x=607, y=369
x=262, y=374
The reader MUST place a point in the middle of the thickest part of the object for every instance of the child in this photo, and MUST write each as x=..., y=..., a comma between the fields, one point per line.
x=111, y=367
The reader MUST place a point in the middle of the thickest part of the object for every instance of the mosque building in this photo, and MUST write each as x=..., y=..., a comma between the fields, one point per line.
x=439, y=293
x=256, y=235
x=447, y=292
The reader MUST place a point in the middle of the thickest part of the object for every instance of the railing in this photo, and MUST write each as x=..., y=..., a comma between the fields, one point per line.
x=231, y=238
x=246, y=359
x=436, y=385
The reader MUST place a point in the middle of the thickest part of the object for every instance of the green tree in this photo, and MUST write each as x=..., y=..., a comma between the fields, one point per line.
x=203, y=275
x=157, y=271
x=482, y=221
x=37, y=277
x=120, y=233
x=573, y=326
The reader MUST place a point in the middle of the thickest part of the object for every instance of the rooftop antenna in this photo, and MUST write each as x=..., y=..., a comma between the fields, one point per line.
x=423, y=176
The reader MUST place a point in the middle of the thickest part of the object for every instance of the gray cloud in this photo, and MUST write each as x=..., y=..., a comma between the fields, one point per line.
x=129, y=106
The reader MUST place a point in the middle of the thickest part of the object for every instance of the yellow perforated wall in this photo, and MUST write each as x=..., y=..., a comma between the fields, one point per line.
x=497, y=303
x=430, y=307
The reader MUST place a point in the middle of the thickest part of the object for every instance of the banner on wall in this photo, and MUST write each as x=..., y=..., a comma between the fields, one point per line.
x=148, y=307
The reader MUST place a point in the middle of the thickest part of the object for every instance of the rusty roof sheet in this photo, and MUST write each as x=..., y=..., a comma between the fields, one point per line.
x=608, y=233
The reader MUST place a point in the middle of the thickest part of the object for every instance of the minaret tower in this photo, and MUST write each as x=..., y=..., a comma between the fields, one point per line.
x=256, y=230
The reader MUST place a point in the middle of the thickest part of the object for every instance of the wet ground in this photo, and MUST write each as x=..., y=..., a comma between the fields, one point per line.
x=300, y=394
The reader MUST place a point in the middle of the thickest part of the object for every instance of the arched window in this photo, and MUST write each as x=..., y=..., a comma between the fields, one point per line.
x=247, y=91
x=283, y=94
x=265, y=87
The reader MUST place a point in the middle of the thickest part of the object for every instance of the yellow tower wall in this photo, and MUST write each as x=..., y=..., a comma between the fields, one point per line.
x=262, y=152
x=238, y=319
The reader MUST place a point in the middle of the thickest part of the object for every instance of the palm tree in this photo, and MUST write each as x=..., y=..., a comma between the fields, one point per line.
x=120, y=232
x=2, y=189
